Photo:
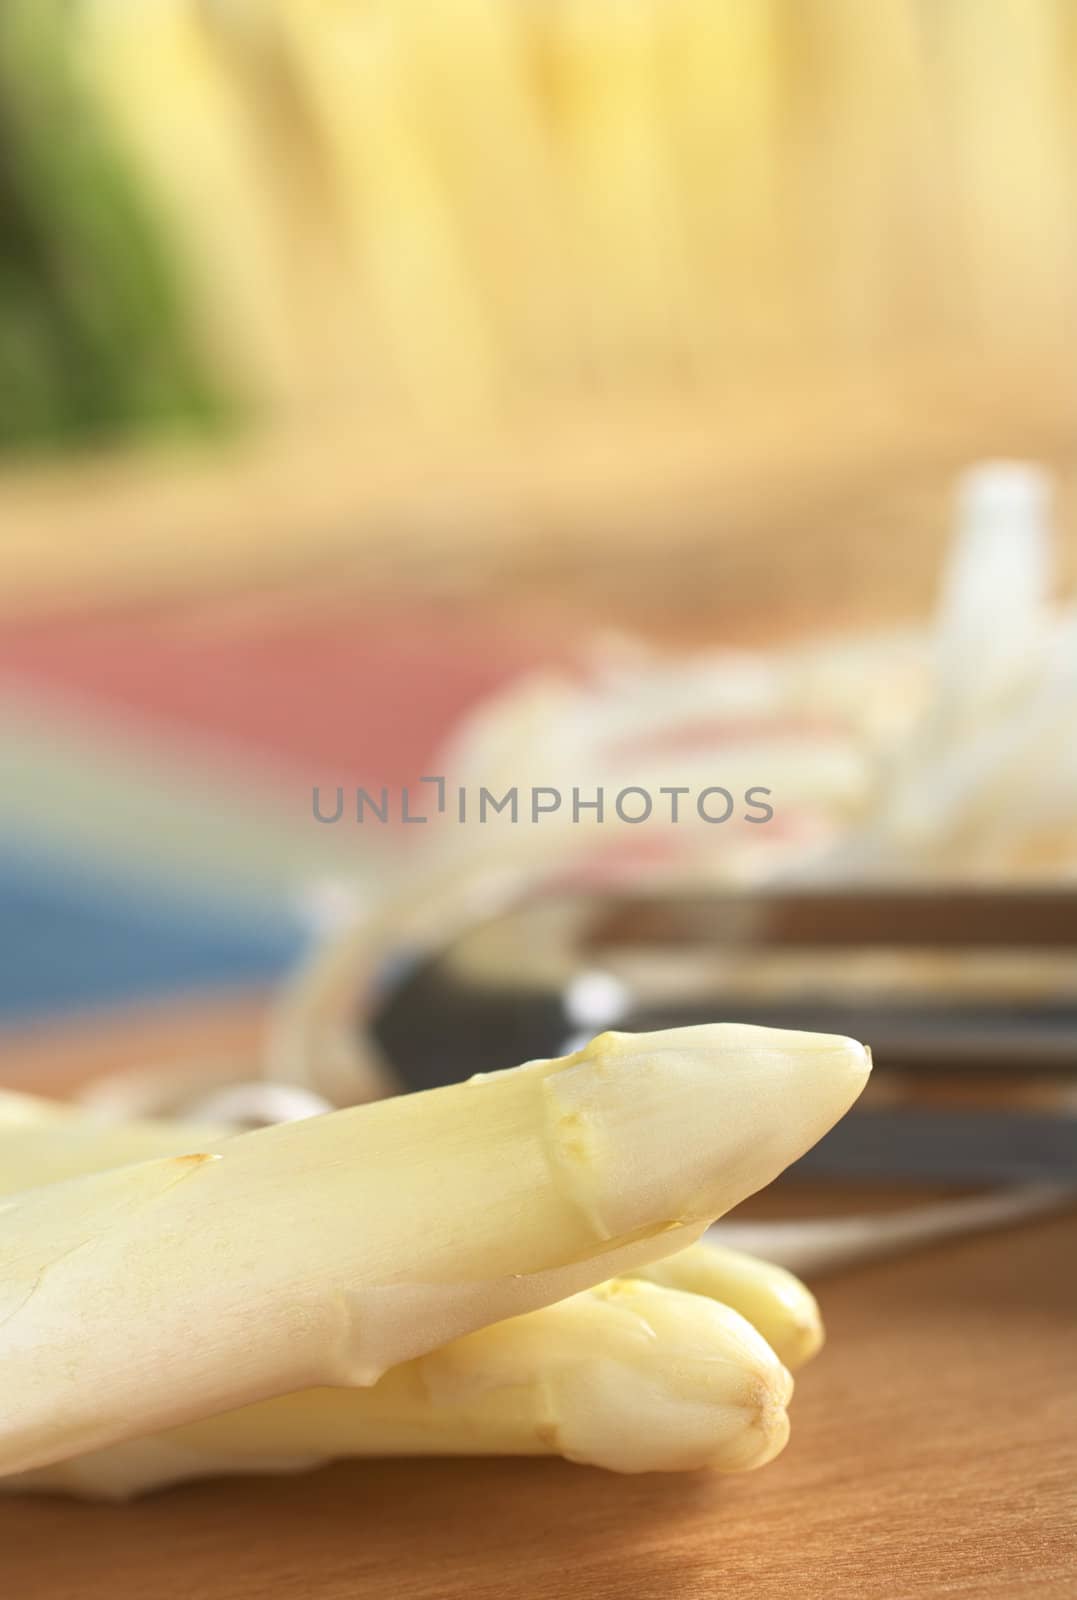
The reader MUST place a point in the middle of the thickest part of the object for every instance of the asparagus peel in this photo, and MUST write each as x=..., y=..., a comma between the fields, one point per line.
x=325, y=1252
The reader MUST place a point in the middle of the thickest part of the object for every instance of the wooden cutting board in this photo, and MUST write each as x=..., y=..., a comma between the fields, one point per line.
x=934, y=1451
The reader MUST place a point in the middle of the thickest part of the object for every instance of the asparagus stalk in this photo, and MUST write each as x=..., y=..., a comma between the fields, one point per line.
x=629, y=1376
x=325, y=1252
x=32, y=1110
x=776, y=1303
x=565, y=1362
x=43, y=1141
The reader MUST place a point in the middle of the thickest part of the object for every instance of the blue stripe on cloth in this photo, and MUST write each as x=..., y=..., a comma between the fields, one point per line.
x=71, y=940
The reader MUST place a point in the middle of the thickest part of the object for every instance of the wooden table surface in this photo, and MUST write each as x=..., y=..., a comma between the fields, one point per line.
x=934, y=1452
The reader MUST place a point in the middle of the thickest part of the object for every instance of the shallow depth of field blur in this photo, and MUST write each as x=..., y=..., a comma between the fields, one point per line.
x=361, y=358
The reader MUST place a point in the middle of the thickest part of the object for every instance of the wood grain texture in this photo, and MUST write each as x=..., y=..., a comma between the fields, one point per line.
x=934, y=1452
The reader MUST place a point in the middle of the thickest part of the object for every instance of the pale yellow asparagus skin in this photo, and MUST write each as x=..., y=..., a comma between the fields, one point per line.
x=441, y=1407
x=30, y=1110
x=64, y=1142
x=44, y=1141
x=326, y=1251
x=775, y=1302
x=628, y=1376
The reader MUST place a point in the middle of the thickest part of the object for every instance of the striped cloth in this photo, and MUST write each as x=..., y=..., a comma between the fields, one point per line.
x=156, y=825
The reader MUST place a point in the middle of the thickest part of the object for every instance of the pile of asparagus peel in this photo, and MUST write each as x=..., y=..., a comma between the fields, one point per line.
x=510, y=1265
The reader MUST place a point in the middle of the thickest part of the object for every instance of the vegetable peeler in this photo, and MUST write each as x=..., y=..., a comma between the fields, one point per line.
x=968, y=981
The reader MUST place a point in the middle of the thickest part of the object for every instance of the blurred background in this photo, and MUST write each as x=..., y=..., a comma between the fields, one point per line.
x=361, y=358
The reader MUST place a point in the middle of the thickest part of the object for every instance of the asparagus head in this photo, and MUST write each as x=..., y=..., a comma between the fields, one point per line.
x=327, y=1251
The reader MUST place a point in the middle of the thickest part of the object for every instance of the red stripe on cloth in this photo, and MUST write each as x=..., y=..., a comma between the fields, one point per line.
x=352, y=697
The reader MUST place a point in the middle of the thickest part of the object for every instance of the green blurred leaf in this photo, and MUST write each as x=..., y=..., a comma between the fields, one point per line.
x=94, y=339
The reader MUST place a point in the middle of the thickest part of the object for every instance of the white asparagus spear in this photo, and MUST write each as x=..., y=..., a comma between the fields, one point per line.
x=326, y=1251
x=45, y=1141
x=629, y=1376
x=776, y=1303
x=31, y=1110
x=42, y=1141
